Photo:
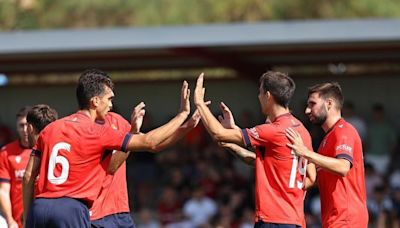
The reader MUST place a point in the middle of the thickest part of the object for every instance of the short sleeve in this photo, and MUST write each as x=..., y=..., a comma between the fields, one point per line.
x=114, y=140
x=258, y=135
x=4, y=167
x=125, y=125
x=38, y=148
x=344, y=146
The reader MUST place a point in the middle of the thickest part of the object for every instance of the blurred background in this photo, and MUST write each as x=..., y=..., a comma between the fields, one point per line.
x=150, y=47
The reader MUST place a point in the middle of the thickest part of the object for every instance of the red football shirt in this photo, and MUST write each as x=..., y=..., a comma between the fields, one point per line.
x=13, y=161
x=71, y=149
x=343, y=199
x=279, y=172
x=113, y=196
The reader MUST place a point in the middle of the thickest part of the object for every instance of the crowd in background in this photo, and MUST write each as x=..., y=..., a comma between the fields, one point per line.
x=197, y=182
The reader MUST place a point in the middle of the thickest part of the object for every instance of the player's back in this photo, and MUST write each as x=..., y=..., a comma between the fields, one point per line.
x=113, y=197
x=71, y=149
x=279, y=172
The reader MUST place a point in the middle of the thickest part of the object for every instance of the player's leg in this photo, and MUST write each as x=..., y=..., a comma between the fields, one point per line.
x=67, y=212
x=124, y=220
x=37, y=214
x=120, y=220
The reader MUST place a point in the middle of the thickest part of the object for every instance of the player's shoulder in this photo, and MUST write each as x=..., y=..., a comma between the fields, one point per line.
x=115, y=117
x=343, y=127
x=117, y=120
x=9, y=147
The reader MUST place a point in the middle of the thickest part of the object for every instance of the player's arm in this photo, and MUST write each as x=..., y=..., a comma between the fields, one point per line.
x=339, y=166
x=215, y=129
x=28, y=184
x=311, y=176
x=5, y=203
x=5, y=187
x=227, y=121
x=243, y=154
x=119, y=157
x=153, y=140
x=181, y=132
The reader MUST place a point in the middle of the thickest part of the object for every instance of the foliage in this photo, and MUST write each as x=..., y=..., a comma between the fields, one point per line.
x=52, y=14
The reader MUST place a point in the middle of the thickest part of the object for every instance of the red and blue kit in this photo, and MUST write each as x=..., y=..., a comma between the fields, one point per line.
x=13, y=161
x=343, y=199
x=280, y=174
x=113, y=196
x=71, y=150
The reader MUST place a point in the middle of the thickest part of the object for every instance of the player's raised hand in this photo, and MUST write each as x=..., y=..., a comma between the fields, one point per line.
x=137, y=117
x=199, y=91
x=195, y=118
x=185, y=95
x=226, y=119
x=296, y=142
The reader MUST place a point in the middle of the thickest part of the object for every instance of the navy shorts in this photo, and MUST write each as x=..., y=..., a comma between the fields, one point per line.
x=120, y=220
x=58, y=212
x=261, y=224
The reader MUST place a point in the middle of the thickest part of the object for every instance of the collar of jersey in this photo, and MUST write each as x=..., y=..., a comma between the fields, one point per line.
x=83, y=114
x=337, y=123
x=282, y=115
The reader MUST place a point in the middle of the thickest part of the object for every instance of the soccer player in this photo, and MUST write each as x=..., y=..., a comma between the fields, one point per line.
x=71, y=148
x=38, y=117
x=280, y=174
x=339, y=159
x=13, y=159
x=111, y=208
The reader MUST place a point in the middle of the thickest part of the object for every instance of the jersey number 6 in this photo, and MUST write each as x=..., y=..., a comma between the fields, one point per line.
x=54, y=159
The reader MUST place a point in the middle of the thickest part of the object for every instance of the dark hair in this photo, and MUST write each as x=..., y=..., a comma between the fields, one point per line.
x=280, y=85
x=23, y=112
x=91, y=83
x=328, y=90
x=40, y=116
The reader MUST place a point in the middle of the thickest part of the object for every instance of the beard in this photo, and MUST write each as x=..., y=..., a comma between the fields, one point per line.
x=320, y=117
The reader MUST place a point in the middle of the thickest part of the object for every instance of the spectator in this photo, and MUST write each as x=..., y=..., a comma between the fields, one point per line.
x=146, y=219
x=372, y=179
x=380, y=207
x=169, y=206
x=381, y=140
x=358, y=123
x=199, y=209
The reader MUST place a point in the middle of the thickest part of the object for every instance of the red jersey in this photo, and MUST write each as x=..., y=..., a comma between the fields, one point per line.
x=71, y=149
x=280, y=174
x=13, y=161
x=343, y=199
x=113, y=197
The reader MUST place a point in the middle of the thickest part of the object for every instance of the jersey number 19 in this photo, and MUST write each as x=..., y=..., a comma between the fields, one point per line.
x=296, y=167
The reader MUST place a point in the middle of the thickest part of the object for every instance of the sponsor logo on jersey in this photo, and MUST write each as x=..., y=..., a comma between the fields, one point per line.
x=18, y=159
x=254, y=133
x=19, y=174
x=345, y=147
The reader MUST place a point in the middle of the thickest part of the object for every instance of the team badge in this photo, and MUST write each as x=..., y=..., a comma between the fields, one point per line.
x=18, y=159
